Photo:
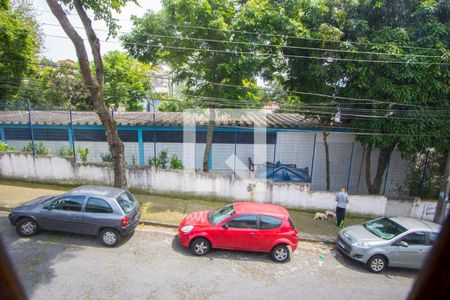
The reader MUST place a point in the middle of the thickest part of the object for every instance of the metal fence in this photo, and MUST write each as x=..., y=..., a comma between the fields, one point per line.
x=302, y=148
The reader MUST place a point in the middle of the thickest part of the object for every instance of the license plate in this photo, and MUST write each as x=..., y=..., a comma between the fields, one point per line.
x=341, y=244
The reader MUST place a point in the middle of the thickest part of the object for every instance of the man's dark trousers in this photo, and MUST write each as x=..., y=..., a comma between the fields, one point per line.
x=340, y=215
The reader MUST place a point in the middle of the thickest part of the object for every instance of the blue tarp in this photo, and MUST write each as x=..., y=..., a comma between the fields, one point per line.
x=282, y=173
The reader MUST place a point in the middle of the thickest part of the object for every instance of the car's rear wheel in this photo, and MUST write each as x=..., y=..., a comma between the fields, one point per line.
x=280, y=253
x=200, y=246
x=377, y=263
x=109, y=237
x=27, y=227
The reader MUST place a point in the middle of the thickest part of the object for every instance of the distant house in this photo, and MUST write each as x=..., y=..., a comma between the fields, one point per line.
x=66, y=61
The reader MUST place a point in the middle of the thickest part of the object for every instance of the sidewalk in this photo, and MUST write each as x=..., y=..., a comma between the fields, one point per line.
x=168, y=211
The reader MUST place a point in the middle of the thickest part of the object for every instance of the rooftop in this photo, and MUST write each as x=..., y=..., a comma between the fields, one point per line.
x=246, y=119
x=259, y=208
x=410, y=223
x=97, y=190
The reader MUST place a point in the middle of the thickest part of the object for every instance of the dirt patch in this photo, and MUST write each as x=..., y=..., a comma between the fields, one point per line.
x=168, y=209
x=12, y=195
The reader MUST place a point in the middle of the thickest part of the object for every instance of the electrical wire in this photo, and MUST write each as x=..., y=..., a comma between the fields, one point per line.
x=262, y=45
x=275, y=34
x=261, y=54
x=225, y=103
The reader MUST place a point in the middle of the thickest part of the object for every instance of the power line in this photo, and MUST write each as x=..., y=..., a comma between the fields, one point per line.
x=331, y=106
x=264, y=54
x=373, y=101
x=280, y=35
x=264, y=45
x=225, y=103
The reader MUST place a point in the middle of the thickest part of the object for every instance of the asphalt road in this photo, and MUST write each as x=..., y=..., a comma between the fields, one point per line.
x=153, y=265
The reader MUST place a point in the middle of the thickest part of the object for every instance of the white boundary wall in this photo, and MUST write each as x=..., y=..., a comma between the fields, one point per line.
x=57, y=169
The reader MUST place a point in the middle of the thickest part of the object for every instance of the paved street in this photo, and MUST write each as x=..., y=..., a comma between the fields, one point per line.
x=153, y=265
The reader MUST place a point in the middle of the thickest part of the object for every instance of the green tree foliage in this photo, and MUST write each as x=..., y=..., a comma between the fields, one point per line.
x=415, y=115
x=412, y=111
x=56, y=85
x=59, y=84
x=127, y=81
x=19, y=44
x=204, y=71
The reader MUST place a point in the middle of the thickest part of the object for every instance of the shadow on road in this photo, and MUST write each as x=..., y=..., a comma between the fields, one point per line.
x=359, y=267
x=34, y=258
x=218, y=254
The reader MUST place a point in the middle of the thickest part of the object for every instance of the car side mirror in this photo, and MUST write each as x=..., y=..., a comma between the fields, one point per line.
x=403, y=244
x=225, y=226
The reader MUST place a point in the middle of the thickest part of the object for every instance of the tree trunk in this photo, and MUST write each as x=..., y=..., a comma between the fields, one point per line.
x=383, y=159
x=95, y=86
x=209, y=139
x=445, y=190
x=327, y=158
x=368, y=167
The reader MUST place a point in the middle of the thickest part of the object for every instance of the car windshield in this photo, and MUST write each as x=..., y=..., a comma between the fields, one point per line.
x=221, y=214
x=126, y=202
x=48, y=200
x=384, y=228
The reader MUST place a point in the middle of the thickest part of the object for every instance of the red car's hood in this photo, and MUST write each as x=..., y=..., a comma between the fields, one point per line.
x=196, y=218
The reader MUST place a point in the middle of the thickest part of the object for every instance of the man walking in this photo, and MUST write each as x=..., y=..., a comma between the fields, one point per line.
x=341, y=200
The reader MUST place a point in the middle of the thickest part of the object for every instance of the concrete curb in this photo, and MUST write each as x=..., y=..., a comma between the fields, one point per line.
x=152, y=223
x=314, y=239
x=305, y=238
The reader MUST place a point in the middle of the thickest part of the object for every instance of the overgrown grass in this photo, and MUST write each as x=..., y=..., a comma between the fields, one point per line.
x=64, y=186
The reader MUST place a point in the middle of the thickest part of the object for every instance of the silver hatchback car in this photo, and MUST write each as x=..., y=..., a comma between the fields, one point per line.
x=394, y=242
x=108, y=212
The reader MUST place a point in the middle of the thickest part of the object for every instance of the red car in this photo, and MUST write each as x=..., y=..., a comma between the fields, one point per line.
x=247, y=226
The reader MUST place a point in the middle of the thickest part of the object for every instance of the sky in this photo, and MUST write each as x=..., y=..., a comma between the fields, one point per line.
x=62, y=48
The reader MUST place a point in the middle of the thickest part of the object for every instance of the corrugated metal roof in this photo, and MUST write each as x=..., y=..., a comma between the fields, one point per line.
x=248, y=119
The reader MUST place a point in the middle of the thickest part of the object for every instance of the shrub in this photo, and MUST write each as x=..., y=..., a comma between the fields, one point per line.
x=133, y=160
x=84, y=152
x=65, y=151
x=39, y=148
x=4, y=147
x=153, y=162
x=106, y=157
x=175, y=162
x=162, y=161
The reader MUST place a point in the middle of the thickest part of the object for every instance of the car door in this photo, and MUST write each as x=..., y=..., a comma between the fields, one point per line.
x=63, y=214
x=269, y=230
x=97, y=213
x=413, y=255
x=241, y=233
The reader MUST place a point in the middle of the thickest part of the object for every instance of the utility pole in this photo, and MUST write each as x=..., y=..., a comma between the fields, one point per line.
x=441, y=207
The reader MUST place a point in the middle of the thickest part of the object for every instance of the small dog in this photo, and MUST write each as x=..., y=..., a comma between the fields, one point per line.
x=330, y=214
x=320, y=216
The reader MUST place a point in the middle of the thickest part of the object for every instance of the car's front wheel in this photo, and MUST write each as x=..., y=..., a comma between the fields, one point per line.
x=377, y=263
x=109, y=237
x=26, y=227
x=280, y=253
x=200, y=246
